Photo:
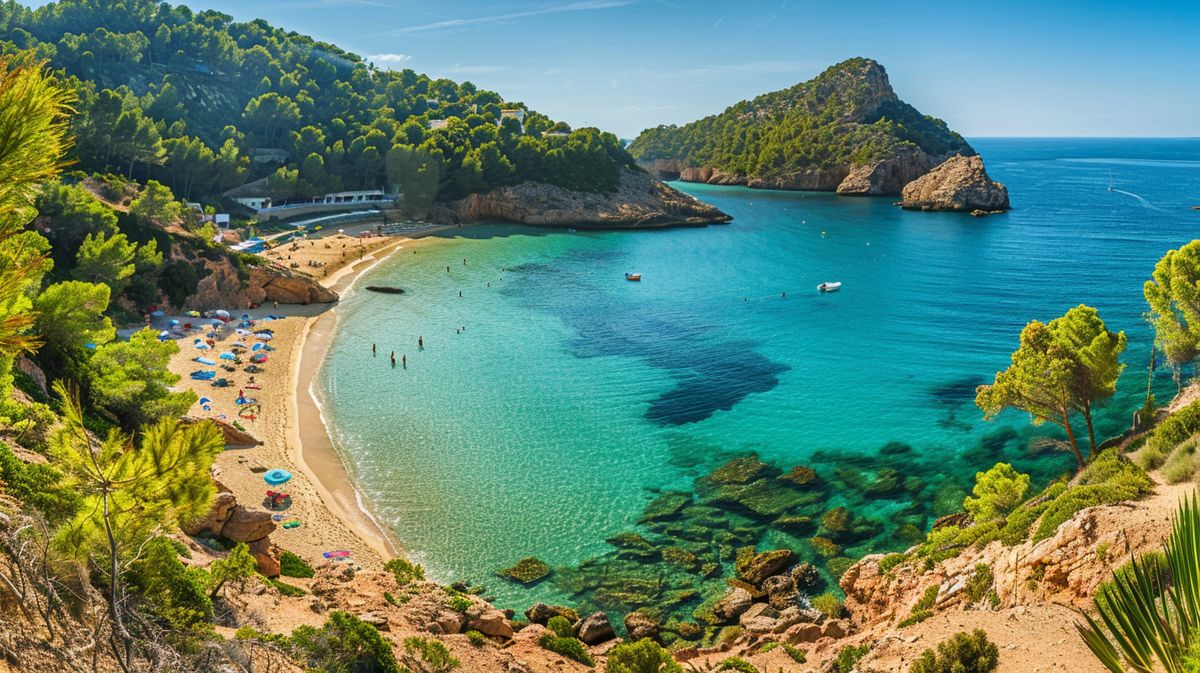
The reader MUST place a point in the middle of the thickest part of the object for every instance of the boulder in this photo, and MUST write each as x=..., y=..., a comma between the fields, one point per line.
x=835, y=628
x=888, y=176
x=375, y=619
x=450, y=621
x=489, y=621
x=760, y=618
x=214, y=521
x=540, y=613
x=641, y=625
x=732, y=604
x=266, y=555
x=595, y=628
x=286, y=287
x=802, y=633
x=234, y=438
x=959, y=183
x=764, y=565
x=247, y=525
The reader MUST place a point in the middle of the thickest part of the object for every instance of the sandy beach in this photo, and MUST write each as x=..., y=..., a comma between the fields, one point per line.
x=286, y=415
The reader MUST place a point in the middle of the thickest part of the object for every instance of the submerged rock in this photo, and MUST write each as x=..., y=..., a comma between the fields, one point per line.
x=641, y=625
x=736, y=601
x=800, y=476
x=959, y=183
x=540, y=613
x=632, y=544
x=665, y=506
x=761, y=566
x=527, y=570
x=740, y=470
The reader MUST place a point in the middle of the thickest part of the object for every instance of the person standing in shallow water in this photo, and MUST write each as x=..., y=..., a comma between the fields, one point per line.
x=393, y=359
x=372, y=350
x=421, y=342
x=404, y=361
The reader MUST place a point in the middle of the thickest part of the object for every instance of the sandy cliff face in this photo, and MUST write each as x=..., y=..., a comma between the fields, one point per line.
x=641, y=202
x=959, y=183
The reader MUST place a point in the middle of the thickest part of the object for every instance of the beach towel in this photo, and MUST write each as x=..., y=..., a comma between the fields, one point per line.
x=296, y=524
x=341, y=553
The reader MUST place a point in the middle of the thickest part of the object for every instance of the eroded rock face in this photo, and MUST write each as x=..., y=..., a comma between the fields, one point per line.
x=247, y=525
x=959, y=183
x=214, y=521
x=640, y=202
x=888, y=176
x=266, y=555
x=290, y=288
x=540, y=613
x=733, y=604
x=641, y=625
x=489, y=621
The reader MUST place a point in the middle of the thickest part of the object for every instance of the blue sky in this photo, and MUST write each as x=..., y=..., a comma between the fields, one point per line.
x=1097, y=68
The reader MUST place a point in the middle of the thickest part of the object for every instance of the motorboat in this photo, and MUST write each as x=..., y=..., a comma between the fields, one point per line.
x=830, y=287
x=633, y=276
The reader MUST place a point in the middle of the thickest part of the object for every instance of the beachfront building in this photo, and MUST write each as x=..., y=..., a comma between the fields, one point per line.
x=369, y=196
x=555, y=134
x=255, y=203
x=516, y=114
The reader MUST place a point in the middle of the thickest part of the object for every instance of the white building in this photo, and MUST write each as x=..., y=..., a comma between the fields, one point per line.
x=435, y=124
x=555, y=134
x=517, y=114
x=255, y=202
x=370, y=196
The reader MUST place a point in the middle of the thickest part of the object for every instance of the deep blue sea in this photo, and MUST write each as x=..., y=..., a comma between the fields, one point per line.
x=572, y=395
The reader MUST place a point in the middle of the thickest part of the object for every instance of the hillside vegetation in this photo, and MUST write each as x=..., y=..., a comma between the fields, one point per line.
x=190, y=98
x=848, y=115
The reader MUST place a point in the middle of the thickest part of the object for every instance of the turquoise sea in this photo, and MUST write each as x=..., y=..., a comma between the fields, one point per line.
x=573, y=396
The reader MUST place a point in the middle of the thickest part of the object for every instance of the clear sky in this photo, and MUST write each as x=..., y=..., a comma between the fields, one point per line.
x=1045, y=67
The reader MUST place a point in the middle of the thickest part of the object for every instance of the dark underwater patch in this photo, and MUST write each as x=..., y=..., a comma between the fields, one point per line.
x=956, y=392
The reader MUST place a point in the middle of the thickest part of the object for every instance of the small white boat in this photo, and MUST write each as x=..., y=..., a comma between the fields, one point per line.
x=829, y=287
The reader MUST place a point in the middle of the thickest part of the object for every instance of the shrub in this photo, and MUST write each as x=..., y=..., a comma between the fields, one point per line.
x=891, y=561
x=961, y=653
x=768, y=646
x=571, y=648
x=459, y=603
x=432, y=651
x=997, y=492
x=849, y=655
x=291, y=565
x=737, y=664
x=174, y=593
x=476, y=638
x=1169, y=434
x=561, y=626
x=285, y=589
x=1108, y=479
x=980, y=583
x=828, y=604
x=644, y=656
x=924, y=608
x=798, y=655
x=38, y=485
x=404, y=571
x=237, y=566
x=344, y=643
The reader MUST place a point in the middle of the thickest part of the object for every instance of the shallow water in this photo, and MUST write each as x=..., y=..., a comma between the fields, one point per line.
x=541, y=428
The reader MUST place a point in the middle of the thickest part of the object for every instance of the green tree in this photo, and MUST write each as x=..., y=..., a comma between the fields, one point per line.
x=1065, y=366
x=73, y=213
x=412, y=175
x=131, y=493
x=997, y=492
x=171, y=591
x=237, y=566
x=107, y=260
x=345, y=644
x=157, y=204
x=70, y=315
x=643, y=656
x=130, y=380
x=1174, y=298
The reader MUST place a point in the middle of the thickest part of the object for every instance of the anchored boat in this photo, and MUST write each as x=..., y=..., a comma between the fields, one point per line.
x=633, y=276
x=829, y=287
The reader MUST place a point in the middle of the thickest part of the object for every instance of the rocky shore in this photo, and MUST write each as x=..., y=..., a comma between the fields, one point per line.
x=640, y=202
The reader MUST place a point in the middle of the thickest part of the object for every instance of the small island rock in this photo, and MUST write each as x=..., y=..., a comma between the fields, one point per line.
x=959, y=183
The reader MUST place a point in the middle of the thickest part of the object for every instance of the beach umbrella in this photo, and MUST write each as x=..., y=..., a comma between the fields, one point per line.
x=257, y=347
x=245, y=316
x=221, y=313
x=201, y=346
x=173, y=322
x=193, y=314
x=259, y=358
x=164, y=335
x=204, y=400
x=265, y=336
x=227, y=356
x=237, y=344
x=90, y=346
x=243, y=332
x=157, y=314
x=204, y=361
x=277, y=476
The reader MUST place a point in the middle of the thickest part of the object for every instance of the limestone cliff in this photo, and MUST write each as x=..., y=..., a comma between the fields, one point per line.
x=959, y=183
x=640, y=202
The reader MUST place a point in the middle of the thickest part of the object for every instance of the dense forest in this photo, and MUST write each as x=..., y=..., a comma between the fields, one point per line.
x=192, y=99
x=846, y=115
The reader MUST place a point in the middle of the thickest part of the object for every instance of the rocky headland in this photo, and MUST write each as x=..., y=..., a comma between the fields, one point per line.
x=640, y=202
x=845, y=131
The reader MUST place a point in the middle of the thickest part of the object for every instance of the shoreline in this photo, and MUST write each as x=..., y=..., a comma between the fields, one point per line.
x=312, y=448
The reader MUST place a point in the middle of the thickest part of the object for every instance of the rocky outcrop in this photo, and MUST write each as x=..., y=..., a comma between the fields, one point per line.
x=234, y=438
x=227, y=519
x=888, y=176
x=540, y=613
x=959, y=183
x=640, y=202
x=247, y=525
x=595, y=628
x=290, y=288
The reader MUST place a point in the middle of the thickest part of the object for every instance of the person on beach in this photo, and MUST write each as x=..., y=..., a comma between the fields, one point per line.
x=274, y=306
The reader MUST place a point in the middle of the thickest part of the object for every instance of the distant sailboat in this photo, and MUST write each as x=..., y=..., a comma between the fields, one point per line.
x=1110, y=181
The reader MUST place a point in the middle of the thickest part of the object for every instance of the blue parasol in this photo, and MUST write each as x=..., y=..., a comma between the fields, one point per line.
x=276, y=477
